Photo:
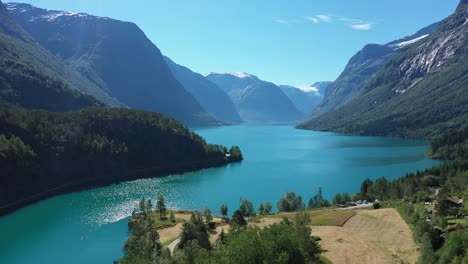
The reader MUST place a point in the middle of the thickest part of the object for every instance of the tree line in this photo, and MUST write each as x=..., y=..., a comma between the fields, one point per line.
x=285, y=242
x=95, y=144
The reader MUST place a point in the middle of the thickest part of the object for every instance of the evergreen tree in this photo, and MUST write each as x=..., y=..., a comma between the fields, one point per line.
x=337, y=199
x=161, y=206
x=172, y=217
x=268, y=207
x=142, y=205
x=238, y=218
x=224, y=210
x=149, y=205
x=208, y=216
x=246, y=208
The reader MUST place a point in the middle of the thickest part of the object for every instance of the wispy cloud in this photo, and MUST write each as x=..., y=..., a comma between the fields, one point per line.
x=281, y=21
x=313, y=19
x=366, y=26
x=324, y=18
x=357, y=24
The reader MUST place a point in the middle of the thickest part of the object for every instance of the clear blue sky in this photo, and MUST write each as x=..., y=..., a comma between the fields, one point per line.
x=286, y=42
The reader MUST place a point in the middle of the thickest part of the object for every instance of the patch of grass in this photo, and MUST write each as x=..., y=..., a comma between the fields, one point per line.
x=324, y=260
x=324, y=217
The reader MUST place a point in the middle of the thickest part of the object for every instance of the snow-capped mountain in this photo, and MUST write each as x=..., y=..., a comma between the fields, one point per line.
x=419, y=91
x=115, y=55
x=256, y=101
x=361, y=67
x=306, y=98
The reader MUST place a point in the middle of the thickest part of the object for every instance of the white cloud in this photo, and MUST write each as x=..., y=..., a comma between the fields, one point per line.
x=313, y=19
x=308, y=89
x=365, y=26
x=351, y=20
x=324, y=18
x=281, y=21
x=353, y=23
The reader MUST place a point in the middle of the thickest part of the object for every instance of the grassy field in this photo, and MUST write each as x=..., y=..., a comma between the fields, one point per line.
x=371, y=236
x=348, y=236
x=324, y=217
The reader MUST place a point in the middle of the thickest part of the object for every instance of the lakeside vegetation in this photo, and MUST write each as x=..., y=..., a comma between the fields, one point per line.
x=441, y=234
x=430, y=201
x=288, y=241
x=41, y=150
x=451, y=146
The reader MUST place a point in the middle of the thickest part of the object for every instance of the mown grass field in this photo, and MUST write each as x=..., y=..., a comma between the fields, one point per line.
x=371, y=236
x=324, y=217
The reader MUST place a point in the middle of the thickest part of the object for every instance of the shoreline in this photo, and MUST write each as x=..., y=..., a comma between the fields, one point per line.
x=107, y=180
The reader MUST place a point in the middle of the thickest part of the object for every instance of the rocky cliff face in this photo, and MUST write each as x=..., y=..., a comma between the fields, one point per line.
x=421, y=91
x=360, y=69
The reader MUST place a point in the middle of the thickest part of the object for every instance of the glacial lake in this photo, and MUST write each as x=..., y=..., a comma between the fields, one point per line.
x=91, y=226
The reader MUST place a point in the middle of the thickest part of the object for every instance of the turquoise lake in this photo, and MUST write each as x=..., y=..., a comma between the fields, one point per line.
x=91, y=226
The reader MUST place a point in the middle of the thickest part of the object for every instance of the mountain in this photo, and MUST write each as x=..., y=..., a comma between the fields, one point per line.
x=361, y=67
x=306, y=99
x=256, y=101
x=421, y=91
x=208, y=94
x=31, y=77
x=115, y=56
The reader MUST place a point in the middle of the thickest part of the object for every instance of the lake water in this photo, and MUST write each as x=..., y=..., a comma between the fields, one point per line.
x=91, y=226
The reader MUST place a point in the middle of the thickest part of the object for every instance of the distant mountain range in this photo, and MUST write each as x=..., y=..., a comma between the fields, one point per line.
x=361, y=67
x=257, y=101
x=210, y=96
x=306, y=99
x=420, y=91
x=115, y=58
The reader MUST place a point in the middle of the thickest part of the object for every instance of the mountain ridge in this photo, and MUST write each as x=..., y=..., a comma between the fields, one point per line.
x=257, y=101
x=420, y=92
x=209, y=95
x=97, y=46
x=360, y=68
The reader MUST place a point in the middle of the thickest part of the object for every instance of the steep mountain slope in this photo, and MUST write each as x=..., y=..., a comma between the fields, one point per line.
x=31, y=77
x=257, y=101
x=210, y=96
x=306, y=100
x=421, y=91
x=361, y=67
x=114, y=55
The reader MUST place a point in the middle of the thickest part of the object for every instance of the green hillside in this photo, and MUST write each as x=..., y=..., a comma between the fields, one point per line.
x=421, y=91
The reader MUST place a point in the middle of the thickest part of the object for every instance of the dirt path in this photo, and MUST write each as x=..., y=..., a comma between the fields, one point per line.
x=173, y=244
x=371, y=236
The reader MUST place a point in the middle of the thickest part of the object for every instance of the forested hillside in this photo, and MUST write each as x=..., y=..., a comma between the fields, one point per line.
x=450, y=146
x=44, y=153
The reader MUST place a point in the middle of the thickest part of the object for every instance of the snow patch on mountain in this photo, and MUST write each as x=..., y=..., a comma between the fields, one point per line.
x=240, y=75
x=49, y=15
x=408, y=42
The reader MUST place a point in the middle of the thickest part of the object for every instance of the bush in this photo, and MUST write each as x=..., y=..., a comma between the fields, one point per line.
x=376, y=205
